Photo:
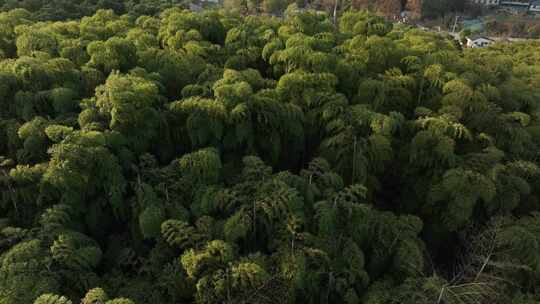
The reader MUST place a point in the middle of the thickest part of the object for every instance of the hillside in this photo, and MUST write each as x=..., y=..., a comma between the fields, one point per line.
x=391, y=7
x=62, y=9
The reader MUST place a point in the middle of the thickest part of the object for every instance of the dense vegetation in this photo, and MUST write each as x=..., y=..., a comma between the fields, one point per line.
x=213, y=158
x=520, y=26
x=57, y=10
x=70, y=9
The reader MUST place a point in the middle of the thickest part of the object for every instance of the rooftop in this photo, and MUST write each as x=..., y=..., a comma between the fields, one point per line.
x=476, y=37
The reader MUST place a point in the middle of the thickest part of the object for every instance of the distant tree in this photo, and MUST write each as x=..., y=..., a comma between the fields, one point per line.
x=274, y=6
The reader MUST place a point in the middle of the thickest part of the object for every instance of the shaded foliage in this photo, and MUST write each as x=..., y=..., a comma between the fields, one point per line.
x=182, y=157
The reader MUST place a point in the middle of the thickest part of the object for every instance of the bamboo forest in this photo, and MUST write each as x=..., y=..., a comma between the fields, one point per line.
x=179, y=156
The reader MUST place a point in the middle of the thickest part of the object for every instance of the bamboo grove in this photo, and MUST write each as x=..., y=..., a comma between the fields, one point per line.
x=216, y=158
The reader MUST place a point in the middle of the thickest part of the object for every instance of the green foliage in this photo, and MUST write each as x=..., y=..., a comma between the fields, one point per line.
x=120, y=301
x=130, y=103
x=462, y=189
x=203, y=166
x=150, y=221
x=113, y=54
x=94, y=296
x=55, y=218
x=364, y=23
x=179, y=234
x=210, y=157
x=76, y=251
x=23, y=271
x=82, y=167
x=215, y=254
x=52, y=299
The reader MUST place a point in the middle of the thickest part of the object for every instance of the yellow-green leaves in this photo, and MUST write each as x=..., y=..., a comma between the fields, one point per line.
x=52, y=299
x=131, y=103
x=76, y=251
x=113, y=54
x=203, y=166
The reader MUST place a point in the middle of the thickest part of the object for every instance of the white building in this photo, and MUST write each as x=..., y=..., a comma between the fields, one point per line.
x=535, y=7
x=487, y=2
x=516, y=3
x=478, y=42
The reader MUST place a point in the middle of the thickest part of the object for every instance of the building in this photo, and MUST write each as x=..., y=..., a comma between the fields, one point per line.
x=515, y=3
x=479, y=41
x=487, y=2
x=515, y=6
x=535, y=7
